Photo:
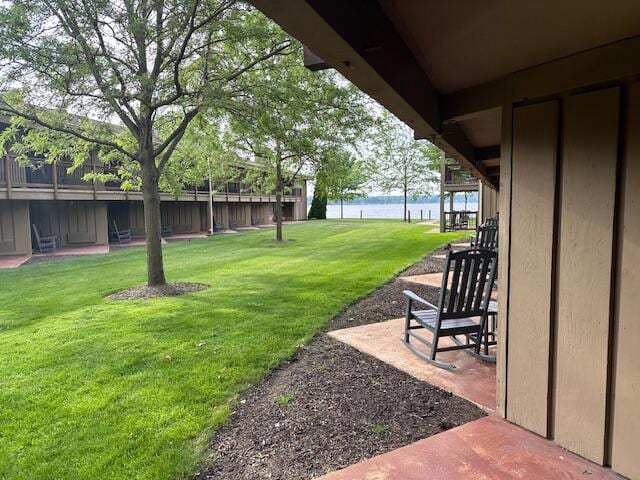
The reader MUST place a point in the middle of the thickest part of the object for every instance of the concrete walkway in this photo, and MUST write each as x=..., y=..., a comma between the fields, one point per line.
x=486, y=449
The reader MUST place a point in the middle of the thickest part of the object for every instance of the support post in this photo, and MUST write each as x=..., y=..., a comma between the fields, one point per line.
x=442, y=191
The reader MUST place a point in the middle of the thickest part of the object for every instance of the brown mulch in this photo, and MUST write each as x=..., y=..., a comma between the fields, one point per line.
x=144, y=292
x=331, y=405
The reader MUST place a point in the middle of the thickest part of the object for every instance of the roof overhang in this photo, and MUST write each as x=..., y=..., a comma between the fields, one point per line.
x=447, y=68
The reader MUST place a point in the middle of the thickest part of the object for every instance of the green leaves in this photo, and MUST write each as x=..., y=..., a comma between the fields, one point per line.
x=403, y=164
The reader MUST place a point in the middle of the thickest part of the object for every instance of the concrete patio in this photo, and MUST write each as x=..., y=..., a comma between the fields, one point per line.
x=486, y=449
x=474, y=380
x=12, y=261
x=76, y=250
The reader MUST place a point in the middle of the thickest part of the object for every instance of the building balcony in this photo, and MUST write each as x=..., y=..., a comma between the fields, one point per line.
x=41, y=179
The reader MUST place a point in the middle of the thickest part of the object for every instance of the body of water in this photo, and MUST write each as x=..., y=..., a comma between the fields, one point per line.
x=394, y=210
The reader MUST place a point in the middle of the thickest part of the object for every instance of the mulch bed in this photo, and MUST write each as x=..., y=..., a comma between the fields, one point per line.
x=144, y=292
x=331, y=405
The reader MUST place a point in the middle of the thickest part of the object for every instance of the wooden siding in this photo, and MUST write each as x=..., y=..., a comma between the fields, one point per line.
x=7, y=236
x=240, y=214
x=183, y=216
x=532, y=219
x=73, y=222
x=136, y=219
x=569, y=365
x=626, y=398
x=489, y=201
x=504, y=241
x=584, y=271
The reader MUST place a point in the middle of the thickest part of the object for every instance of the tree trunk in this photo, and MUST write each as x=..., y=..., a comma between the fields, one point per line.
x=341, y=212
x=152, y=221
x=405, y=205
x=279, y=189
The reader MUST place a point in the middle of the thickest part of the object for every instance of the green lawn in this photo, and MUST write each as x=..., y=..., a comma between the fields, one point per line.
x=93, y=389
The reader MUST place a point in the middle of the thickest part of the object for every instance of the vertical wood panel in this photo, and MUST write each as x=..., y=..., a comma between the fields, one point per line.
x=625, y=452
x=504, y=251
x=584, y=271
x=535, y=141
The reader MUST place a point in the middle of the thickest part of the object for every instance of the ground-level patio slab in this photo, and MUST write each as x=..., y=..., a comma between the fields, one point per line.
x=76, y=250
x=136, y=242
x=429, y=279
x=485, y=449
x=12, y=261
x=246, y=229
x=177, y=237
x=473, y=379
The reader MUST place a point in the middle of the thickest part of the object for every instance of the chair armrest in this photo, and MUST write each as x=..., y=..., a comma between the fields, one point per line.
x=416, y=298
x=52, y=238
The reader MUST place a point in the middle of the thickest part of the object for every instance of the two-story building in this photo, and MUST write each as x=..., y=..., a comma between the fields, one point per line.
x=57, y=201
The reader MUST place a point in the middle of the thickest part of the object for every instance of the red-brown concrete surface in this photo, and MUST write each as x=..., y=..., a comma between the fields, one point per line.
x=429, y=279
x=12, y=261
x=473, y=379
x=76, y=250
x=486, y=449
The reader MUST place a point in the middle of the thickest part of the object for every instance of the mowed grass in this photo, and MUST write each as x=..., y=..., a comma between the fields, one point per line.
x=93, y=389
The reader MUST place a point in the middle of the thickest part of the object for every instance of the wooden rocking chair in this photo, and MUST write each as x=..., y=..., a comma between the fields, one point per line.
x=120, y=236
x=464, y=297
x=44, y=244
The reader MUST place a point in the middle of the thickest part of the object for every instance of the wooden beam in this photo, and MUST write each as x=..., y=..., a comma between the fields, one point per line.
x=487, y=153
x=493, y=171
x=472, y=101
x=312, y=61
x=364, y=25
x=608, y=63
x=358, y=39
x=453, y=135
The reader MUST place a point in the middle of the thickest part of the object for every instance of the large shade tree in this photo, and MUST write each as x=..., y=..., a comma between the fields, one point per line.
x=148, y=66
x=341, y=177
x=290, y=119
x=402, y=164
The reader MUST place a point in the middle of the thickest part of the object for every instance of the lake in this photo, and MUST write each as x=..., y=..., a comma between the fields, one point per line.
x=394, y=210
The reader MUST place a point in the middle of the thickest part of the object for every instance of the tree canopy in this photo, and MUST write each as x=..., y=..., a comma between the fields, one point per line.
x=401, y=163
x=124, y=79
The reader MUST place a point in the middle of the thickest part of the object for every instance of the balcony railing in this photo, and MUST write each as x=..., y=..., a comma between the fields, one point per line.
x=44, y=175
x=459, y=177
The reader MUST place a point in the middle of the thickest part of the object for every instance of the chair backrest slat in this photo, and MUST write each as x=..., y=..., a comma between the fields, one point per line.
x=36, y=233
x=473, y=274
x=484, y=272
x=455, y=281
x=466, y=283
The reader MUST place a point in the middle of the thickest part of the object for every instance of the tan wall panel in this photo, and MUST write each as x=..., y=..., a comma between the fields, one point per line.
x=535, y=130
x=7, y=237
x=504, y=252
x=240, y=213
x=102, y=230
x=73, y=222
x=625, y=452
x=584, y=271
x=183, y=216
x=136, y=218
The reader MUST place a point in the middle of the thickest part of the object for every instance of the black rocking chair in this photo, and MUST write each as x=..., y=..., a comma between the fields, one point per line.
x=120, y=236
x=44, y=244
x=464, y=296
x=486, y=238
